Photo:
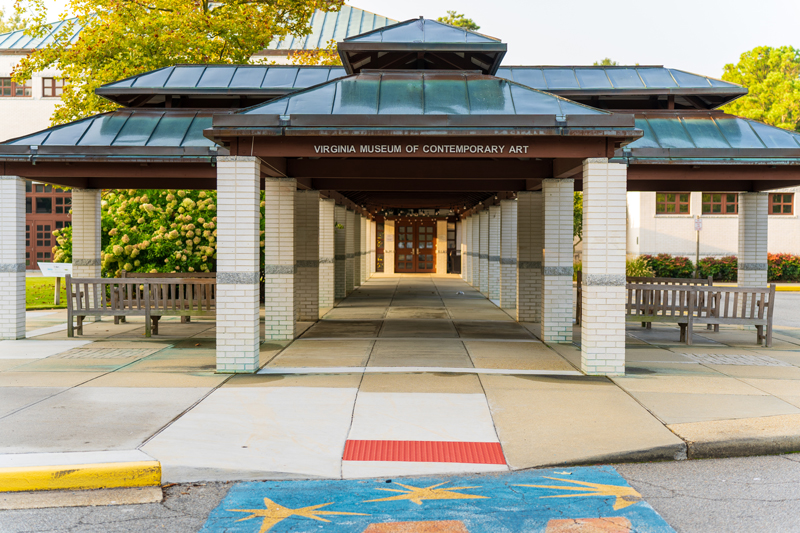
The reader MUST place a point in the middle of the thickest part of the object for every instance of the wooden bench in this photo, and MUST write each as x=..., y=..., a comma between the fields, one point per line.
x=709, y=281
x=167, y=275
x=151, y=298
x=687, y=305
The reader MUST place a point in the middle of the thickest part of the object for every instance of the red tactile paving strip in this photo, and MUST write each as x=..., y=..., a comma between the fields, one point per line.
x=490, y=453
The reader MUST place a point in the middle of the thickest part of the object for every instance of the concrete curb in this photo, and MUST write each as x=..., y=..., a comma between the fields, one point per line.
x=675, y=452
x=78, y=471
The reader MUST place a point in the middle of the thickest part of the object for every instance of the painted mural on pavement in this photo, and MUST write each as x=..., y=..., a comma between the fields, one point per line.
x=587, y=499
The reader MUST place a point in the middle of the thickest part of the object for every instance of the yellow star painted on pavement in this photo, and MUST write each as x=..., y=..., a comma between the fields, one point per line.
x=417, y=494
x=625, y=496
x=275, y=513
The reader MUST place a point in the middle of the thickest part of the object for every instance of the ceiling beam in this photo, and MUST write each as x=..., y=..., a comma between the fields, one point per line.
x=567, y=168
x=414, y=185
x=458, y=169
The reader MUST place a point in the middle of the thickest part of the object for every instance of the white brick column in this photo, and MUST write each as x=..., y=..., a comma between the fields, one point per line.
x=368, y=250
x=238, y=261
x=475, y=262
x=86, y=236
x=357, y=249
x=508, y=254
x=603, y=292
x=362, y=250
x=529, y=256
x=388, y=247
x=441, y=246
x=280, y=259
x=558, y=220
x=465, y=249
x=495, y=221
x=12, y=258
x=326, y=253
x=306, y=278
x=340, y=252
x=483, y=263
x=753, y=211
x=350, y=251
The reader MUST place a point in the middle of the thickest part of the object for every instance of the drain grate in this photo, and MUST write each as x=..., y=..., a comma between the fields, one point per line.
x=735, y=359
x=105, y=353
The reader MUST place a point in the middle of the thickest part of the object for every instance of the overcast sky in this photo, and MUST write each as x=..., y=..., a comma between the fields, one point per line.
x=699, y=36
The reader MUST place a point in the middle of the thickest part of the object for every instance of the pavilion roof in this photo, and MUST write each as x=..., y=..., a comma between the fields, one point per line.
x=421, y=30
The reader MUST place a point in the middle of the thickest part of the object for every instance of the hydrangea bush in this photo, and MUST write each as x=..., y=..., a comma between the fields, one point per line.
x=150, y=230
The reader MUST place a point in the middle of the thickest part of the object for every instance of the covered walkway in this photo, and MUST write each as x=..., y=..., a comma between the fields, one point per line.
x=401, y=323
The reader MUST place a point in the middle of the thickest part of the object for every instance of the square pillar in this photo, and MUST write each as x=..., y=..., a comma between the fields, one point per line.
x=280, y=259
x=529, y=256
x=238, y=261
x=603, y=292
x=753, y=217
x=340, y=252
x=306, y=242
x=358, y=241
x=475, y=262
x=350, y=251
x=465, y=249
x=508, y=254
x=326, y=254
x=368, y=250
x=494, y=252
x=388, y=247
x=483, y=257
x=12, y=258
x=86, y=237
x=557, y=259
x=362, y=250
x=441, y=246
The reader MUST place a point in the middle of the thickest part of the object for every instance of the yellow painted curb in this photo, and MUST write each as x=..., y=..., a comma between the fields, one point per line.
x=787, y=289
x=78, y=477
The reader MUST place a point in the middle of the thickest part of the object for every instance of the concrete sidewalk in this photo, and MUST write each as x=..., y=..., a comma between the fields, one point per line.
x=410, y=375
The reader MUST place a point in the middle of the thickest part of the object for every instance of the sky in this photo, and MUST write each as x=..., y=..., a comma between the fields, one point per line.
x=698, y=36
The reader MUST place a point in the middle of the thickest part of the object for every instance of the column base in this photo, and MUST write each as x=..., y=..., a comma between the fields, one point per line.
x=603, y=331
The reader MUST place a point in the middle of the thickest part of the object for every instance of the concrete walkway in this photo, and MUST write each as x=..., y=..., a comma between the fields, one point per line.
x=410, y=375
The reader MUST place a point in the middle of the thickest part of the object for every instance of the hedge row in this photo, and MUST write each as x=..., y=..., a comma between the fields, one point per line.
x=782, y=267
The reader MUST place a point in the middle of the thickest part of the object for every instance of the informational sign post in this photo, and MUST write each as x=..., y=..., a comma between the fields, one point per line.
x=58, y=271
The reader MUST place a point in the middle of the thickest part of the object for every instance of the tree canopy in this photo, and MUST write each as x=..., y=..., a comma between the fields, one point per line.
x=122, y=38
x=458, y=19
x=13, y=22
x=606, y=62
x=772, y=76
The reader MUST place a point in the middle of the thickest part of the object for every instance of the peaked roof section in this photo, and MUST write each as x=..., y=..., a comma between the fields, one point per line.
x=325, y=26
x=704, y=135
x=422, y=44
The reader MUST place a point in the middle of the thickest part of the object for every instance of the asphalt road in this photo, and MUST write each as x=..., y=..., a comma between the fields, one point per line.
x=742, y=495
x=787, y=309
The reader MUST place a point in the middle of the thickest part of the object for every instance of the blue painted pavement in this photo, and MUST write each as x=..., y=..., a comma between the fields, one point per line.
x=587, y=499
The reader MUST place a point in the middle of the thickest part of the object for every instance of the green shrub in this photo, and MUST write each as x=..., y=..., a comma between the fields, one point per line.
x=639, y=267
x=721, y=269
x=667, y=266
x=783, y=267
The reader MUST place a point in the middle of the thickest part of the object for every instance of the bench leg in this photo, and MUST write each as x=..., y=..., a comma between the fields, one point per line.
x=769, y=334
x=148, y=332
x=759, y=335
x=155, y=324
x=80, y=325
x=70, y=327
x=683, y=332
x=689, y=328
x=716, y=328
x=186, y=319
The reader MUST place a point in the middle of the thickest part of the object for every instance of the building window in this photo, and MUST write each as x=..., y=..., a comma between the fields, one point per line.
x=672, y=203
x=28, y=186
x=781, y=203
x=61, y=224
x=9, y=88
x=44, y=205
x=715, y=203
x=52, y=87
x=28, y=205
x=44, y=188
x=63, y=204
x=43, y=236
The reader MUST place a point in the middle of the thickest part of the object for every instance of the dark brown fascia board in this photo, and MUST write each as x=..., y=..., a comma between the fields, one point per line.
x=619, y=120
x=130, y=152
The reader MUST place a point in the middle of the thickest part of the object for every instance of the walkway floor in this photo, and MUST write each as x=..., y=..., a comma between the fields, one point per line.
x=410, y=375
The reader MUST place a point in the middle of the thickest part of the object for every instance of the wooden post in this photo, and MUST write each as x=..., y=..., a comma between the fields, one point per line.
x=57, y=297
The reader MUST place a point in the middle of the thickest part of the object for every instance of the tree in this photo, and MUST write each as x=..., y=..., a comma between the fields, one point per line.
x=607, y=62
x=458, y=19
x=317, y=56
x=122, y=38
x=577, y=216
x=12, y=23
x=772, y=76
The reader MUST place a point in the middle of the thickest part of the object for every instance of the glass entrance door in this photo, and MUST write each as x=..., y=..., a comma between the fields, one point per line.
x=416, y=246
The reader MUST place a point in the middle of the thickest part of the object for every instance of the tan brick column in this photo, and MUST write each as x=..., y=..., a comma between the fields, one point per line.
x=508, y=254
x=12, y=257
x=350, y=251
x=86, y=236
x=238, y=261
x=465, y=249
x=306, y=279
x=475, y=262
x=388, y=247
x=441, y=246
x=363, y=251
x=529, y=256
x=557, y=222
x=340, y=252
x=752, y=256
x=326, y=254
x=603, y=291
x=495, y=221
x=280, y=262
x=483, y=250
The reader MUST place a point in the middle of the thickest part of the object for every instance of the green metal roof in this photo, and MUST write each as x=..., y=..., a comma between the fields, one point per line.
x=148, y=131
x=17, y=40
x=421, y=30
x=421, y=93
x=708, y=135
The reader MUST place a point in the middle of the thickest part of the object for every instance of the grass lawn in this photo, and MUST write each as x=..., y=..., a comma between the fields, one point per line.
x=39, y=293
